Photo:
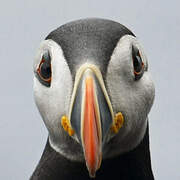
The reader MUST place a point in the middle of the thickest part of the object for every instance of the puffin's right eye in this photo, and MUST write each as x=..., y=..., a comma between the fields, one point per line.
x=137, y=63
x=44, y=69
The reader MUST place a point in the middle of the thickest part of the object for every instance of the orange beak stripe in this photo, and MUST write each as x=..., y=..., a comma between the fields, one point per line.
x=91, y=129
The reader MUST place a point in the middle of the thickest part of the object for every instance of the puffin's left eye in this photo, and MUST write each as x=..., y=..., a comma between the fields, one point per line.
x=44, y=69
x=137, y=63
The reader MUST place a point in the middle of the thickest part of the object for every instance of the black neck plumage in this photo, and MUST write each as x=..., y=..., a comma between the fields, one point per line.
x=134, y=165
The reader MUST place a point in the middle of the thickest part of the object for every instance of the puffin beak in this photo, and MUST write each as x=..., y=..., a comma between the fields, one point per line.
x=91, y=115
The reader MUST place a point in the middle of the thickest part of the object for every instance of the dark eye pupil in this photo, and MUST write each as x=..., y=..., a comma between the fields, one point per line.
x=45, y=70
x=137, y=63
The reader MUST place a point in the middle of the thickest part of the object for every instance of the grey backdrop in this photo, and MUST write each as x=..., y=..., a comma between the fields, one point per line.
x=23, y=24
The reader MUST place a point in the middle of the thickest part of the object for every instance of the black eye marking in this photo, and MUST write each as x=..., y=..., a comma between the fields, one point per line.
x=44, y=70
x=138, y=64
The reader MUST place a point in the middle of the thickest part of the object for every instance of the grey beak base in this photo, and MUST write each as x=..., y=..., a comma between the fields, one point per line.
x=105, y=113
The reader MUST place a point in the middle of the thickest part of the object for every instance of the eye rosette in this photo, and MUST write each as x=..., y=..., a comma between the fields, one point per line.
x=138, y=63
x=44, y=69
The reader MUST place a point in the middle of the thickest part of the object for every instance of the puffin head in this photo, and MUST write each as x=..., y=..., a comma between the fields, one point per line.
x=93, y=90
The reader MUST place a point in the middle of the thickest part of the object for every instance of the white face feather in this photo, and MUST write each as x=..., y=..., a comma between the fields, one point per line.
x=133, y=98
x=53, y=102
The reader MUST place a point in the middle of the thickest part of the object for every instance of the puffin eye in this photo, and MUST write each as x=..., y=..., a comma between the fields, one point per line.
x=137, y=63
x=44, y=69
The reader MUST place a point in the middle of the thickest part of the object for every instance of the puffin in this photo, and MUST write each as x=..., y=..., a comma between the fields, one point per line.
x=94, y=91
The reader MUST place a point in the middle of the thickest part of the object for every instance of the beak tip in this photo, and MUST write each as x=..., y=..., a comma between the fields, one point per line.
x=93, y=168
x=92, y=174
